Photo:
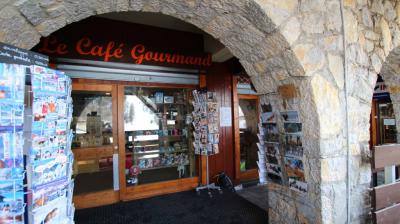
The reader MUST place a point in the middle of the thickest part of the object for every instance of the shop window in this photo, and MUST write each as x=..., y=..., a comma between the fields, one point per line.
x=157, y=125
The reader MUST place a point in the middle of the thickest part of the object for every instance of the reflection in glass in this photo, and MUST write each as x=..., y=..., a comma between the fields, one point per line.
x=387, y=123
x=248, y=120
x=157, y=136
x=92, y=119
x=93, y=175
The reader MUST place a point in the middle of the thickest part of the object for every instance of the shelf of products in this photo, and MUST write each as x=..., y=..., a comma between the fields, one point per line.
x=157, y=135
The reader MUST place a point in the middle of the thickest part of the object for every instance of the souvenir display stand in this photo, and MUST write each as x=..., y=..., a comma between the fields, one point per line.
x=281, y=141
x=262, y=168
x=206, y=130
x=12, y=171
x=269, y=155
x=50, y=158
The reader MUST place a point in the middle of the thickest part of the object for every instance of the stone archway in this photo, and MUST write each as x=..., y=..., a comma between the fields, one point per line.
x=390, y=73
x=277, y=42
x=372, y=31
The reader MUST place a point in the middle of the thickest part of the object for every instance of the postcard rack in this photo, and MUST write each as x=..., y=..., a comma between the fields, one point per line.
x=281, y=140
x=48, y=147
x=12, y=171
x=206, y=130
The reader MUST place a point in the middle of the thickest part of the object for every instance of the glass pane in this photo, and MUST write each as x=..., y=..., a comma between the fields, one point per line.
x=93, y=175
x=157, y=136
x=92, y=127
x=92, y=119
x=387, y=123
x=248, y=120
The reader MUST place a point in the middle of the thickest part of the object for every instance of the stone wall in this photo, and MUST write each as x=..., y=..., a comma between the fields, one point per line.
x=279, y=42
x=372, y=39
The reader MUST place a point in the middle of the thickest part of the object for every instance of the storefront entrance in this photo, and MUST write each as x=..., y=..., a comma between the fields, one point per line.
x=95, y=144
x=132, y=109
x=131, y=141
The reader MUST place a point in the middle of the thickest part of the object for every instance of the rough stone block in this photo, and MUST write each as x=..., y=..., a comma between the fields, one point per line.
x=333, y=169
x=16, y=30
x=32, y=11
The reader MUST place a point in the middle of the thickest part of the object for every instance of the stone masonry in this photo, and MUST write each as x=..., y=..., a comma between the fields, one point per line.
x=301, y=42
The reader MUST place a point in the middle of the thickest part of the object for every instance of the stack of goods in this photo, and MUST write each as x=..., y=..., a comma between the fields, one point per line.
x=50, y=157
x=165, y=160
x=12, y=84
x=205, y=122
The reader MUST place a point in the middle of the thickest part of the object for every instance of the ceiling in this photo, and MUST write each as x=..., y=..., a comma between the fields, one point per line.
x=211, y=45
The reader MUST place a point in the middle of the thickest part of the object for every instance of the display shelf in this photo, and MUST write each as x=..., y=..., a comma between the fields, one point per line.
x=161, y=152
x=162, y=167
x=161, y=138
x=150, y=153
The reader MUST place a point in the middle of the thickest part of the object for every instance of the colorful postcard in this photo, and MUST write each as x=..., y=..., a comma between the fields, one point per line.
x=268, y=117
x=295, y=172
x=294, y=145
x=11, y=115
x=297, y=185
x=290, y=116
x=272, y=149
x=271, y=133
x=53, y=213
x=11, y=150
x=274, y=173
x=274, y=169
x=12, y=83
x=11, y=174
x=272, y=159
x=294, y=139
x=46, y=195
x=292, y=128
x=49, y=170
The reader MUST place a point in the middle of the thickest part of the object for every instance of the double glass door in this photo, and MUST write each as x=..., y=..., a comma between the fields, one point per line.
x=128, y=139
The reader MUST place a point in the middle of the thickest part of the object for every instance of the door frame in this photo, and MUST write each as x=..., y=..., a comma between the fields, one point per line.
x=105, y=197
x=150, y=189
x=251, y=174
x=94, y=199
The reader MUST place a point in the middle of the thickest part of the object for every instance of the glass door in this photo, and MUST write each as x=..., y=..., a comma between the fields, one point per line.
x=95, y=144
x=248, y=117
x=155, y=132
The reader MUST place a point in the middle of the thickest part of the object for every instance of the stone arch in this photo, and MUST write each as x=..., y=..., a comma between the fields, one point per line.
x=390, y=73
x=264, y=35
x=372, y=41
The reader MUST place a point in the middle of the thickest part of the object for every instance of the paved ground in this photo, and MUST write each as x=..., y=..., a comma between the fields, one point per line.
x=256, y=195
x=184, y=207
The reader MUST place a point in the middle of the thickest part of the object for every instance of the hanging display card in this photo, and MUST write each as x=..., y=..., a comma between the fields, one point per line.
x=50, y=157
x=205, y=122
x=293, y=144
x=226, y=117
x=295, y=171
x=12, y=173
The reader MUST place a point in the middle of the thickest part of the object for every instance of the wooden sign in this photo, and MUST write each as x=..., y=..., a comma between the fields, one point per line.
x=287, y=91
